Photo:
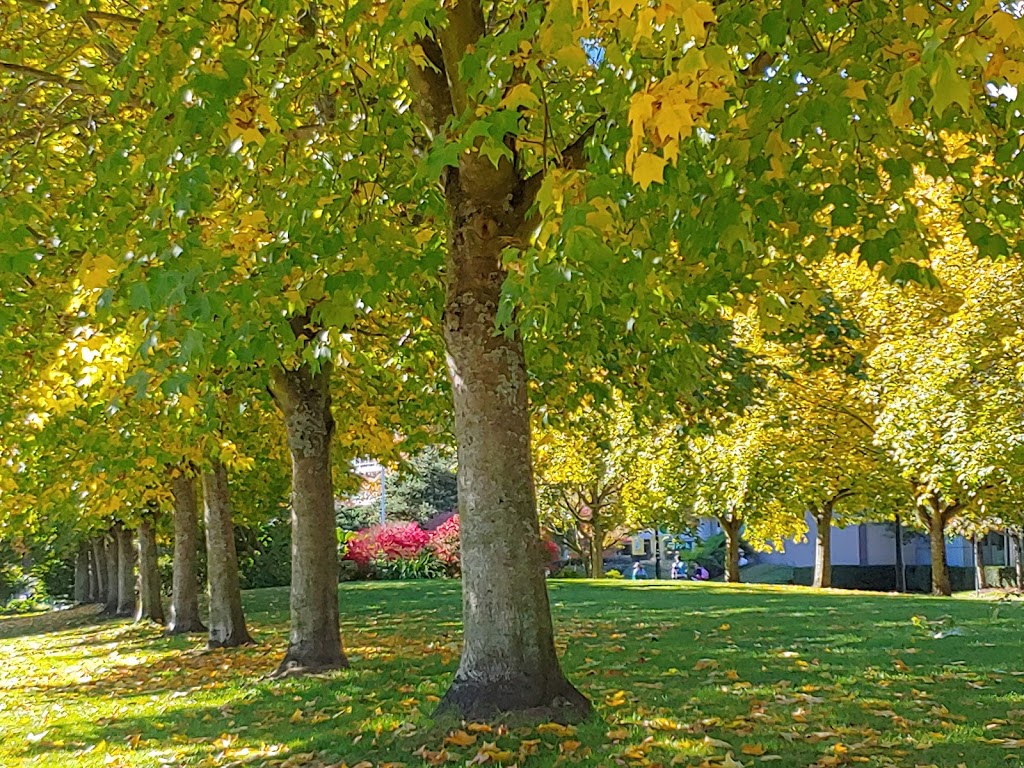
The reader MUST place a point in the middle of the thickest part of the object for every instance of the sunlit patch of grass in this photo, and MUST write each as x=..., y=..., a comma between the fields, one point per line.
x=680, y=674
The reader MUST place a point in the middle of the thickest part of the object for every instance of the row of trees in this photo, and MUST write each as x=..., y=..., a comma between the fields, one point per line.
x=901, y=403
x=387, y=221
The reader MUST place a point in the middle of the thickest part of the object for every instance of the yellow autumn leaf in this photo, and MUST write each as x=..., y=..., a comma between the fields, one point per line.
x=648, y=169
x=296, y=716
x=97, y=272
x=460, y=739
x=855, y=90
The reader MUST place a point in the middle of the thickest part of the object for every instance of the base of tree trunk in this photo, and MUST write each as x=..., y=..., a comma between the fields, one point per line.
x=234, y=640
x=518, y=699
x=185, y=628
x=297, y=664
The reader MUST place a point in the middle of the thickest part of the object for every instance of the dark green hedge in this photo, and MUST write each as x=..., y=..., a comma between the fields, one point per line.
x=882, y=578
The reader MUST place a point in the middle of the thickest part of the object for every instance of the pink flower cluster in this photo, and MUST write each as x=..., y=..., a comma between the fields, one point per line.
x=387, y=542
x=444, y=541
x=396, y=541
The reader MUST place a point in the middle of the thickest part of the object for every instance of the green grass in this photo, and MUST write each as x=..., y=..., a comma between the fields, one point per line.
x=681, y=674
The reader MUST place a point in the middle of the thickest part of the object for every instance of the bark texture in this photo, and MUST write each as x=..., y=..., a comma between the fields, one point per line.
x=112, y=581
x=508, y=659
x=227, y=621
x=185, y=574
x=150, y=603
x=731, y=527
x=823, y=546
x=99, y=560
x=935, y=514
x=314, y=642
x=82, y=574
x=125, y=573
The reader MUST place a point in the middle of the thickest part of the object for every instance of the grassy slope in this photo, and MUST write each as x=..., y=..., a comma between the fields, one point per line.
x=682, y=674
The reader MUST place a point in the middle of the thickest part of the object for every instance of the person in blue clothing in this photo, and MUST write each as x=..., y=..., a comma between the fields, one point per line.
x=678, y=568
x=639, y=572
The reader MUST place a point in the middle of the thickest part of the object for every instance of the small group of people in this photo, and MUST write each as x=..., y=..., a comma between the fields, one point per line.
x=692, y=571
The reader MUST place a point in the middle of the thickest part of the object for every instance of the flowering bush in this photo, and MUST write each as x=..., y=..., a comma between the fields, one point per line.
x=386, y=542
x=404, y=550
x=444, y=543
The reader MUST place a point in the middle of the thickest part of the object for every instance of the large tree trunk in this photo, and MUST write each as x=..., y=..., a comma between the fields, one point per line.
x=112, y=551
x=980, y=581
x=823, y=546
x=99, y=561
x=314, y=643
x=935, y=520
x=185, y=572
x=227, y=621
x=508, y=659
x=901, y=568
x=94, y=575
x=596, y=548
x=125, y=573
x=82, y=574
x=150, y=603
x=731, y=527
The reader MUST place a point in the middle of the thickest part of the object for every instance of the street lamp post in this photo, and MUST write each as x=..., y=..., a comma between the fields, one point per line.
x=368, y=468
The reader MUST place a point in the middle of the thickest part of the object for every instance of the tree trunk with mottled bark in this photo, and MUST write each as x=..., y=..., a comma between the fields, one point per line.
x=901, y=568
x=112, y=551
x=934, y=515
x=980, y=580
x=185, y=571
x=125, y=573
x=1018, y=539
x=150, y=603
x=226, y=620
x=82, y=574
x=823, y=546
x=731, y=527
x=94, y=575
x=314, y=642
x=508, y=659
x=596, y=549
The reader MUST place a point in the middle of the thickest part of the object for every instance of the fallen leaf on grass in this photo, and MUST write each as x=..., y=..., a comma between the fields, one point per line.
x=460, y=739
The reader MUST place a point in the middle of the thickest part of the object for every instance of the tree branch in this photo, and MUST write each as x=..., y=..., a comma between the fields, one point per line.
x=115, y=18
x=572, y=158
x=434, y=105
x=38, y=74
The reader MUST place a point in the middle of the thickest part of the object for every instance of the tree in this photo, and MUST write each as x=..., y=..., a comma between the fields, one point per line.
x=596, y=476
x=678, y=159
x=150, y=601
x=734, y=476
x=185, y=588
x=227, y=621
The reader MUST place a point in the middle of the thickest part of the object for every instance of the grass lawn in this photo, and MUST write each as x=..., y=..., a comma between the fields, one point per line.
x=681, y=674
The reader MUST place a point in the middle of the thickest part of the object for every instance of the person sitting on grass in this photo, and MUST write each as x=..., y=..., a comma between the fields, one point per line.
x=678, y=568
x=639, y=572
x=700, y=573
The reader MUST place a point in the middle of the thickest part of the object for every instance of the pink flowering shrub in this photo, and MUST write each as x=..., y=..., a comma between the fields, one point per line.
x=394, y=541
x=444, y=543
x=404, y=550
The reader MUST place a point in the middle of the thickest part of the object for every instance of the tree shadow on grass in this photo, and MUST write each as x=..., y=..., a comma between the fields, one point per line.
x=805, y=675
